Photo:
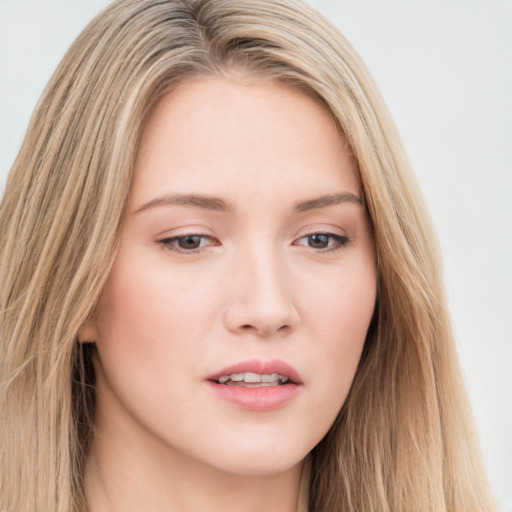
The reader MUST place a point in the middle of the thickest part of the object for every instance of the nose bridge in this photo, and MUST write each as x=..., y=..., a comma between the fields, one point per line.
x=261, y=299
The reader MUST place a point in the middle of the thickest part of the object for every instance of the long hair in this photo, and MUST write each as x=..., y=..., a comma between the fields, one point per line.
x=404, y=439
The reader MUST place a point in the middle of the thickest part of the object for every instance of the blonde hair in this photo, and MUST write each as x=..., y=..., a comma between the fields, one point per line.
x=403, y=440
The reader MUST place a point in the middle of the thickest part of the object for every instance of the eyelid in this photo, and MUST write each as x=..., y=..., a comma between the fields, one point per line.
x=340, y=240
x=336, y=240
x=168, y=243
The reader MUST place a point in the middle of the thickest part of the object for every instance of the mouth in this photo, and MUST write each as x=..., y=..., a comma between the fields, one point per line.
x=257, y=373
x=253, y=380
x=257, y=385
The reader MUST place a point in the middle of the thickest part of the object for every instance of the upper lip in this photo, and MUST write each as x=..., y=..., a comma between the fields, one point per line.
x=261, y=367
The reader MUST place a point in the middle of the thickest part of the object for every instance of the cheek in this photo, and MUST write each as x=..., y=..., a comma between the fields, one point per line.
x=150, y=301
x=146, y=320
x=148, y=341
x=339, y=324
x=343, y=301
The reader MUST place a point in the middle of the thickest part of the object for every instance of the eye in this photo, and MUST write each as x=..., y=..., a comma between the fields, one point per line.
x=323, y=241
x=188, y=243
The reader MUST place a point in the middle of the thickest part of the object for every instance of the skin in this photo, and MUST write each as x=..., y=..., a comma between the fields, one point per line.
x=258, y=285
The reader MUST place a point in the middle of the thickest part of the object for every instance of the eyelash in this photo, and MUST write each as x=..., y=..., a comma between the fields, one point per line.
x=339, y=241
x=335, y=242
x=171, y=243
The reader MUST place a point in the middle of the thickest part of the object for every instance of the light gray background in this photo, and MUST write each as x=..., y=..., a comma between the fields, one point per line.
x=445, y=69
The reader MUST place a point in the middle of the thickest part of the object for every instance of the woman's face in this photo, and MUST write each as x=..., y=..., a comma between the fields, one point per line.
x=233, y=320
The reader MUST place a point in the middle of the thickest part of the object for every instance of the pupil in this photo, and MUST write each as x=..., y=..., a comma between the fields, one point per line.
x=189, y=242
x=319, y=241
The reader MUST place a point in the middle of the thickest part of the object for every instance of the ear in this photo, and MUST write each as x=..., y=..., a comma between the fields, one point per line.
x=88, y=333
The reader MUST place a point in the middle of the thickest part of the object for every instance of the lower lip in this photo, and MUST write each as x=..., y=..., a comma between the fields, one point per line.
x=259, y=399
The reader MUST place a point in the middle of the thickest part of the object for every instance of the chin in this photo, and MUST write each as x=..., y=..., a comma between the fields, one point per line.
x=261, y=468
x=261, y=458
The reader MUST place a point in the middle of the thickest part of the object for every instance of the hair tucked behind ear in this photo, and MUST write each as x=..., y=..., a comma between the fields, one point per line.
x=404, y=439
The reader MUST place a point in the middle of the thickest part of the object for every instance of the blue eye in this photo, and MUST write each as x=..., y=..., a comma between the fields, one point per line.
x=187, y=243
x=321, y=241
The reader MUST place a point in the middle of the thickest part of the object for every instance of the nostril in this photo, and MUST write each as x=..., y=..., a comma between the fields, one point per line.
x=284, y=329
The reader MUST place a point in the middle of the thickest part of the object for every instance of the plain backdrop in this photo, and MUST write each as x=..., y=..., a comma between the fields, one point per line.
x=445, y=69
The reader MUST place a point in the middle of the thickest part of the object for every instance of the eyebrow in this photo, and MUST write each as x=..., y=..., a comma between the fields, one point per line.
x=327, y=200
x=204, y=202
x=220, y=205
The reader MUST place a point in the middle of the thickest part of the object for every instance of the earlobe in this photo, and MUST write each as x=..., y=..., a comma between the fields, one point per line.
x=88, y=333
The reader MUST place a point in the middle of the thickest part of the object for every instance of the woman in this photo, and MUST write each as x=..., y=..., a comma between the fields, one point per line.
x=218, y=274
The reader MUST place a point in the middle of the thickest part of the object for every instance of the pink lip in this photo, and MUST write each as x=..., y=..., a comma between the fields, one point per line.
x=260, y=398
x=261, y=367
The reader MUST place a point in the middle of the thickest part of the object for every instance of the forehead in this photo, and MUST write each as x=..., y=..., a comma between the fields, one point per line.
x=213, y=136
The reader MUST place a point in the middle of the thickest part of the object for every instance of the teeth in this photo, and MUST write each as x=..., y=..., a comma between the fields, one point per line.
x=253, y=378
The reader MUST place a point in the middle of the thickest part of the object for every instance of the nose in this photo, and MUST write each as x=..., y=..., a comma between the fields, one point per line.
x=260, y=295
